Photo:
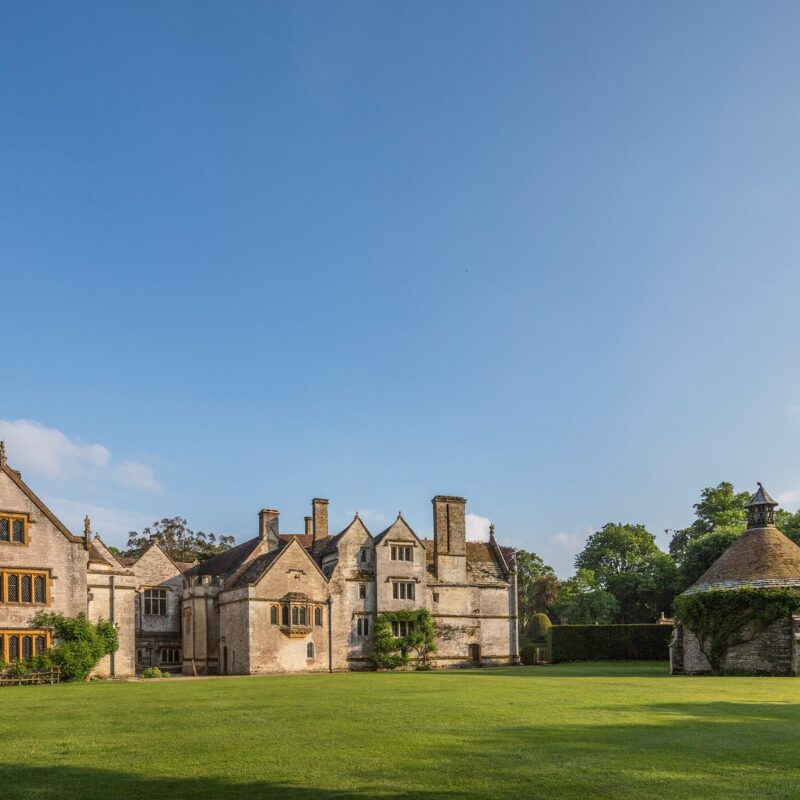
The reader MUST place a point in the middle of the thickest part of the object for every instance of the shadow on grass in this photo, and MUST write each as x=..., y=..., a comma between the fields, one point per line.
x=674, y=750
x=573, y=669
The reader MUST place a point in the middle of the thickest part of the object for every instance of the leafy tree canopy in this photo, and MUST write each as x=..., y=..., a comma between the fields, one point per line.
x=530, y=568
x=179, y=541
x=616, y=550
x=581, y=601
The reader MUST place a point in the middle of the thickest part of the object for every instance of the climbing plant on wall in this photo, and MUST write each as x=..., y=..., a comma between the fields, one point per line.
x=724, y=618
x=417, y=645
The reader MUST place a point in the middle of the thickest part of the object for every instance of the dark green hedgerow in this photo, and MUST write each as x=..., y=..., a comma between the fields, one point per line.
x=608, y=642
x=724, y=618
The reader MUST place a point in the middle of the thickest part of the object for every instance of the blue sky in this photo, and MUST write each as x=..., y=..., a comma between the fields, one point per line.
x=544, y=255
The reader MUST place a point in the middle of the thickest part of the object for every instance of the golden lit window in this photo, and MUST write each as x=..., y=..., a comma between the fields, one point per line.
x=13, y=528
x=25, y=586
x=22, y=645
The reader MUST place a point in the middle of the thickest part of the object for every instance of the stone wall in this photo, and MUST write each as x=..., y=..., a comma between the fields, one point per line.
x=770, y=653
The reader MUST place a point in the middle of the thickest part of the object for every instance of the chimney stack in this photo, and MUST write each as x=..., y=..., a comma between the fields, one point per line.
x=449, y=538
x=309, y=526
x=268, y=527
x=320, y=519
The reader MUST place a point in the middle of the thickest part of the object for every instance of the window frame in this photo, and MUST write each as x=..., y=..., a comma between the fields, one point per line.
x=400, y=551
x=19, y=634
x=404, y=590
x=161, y=595
x=20, y=574
x=311, y=651
x=11, y=517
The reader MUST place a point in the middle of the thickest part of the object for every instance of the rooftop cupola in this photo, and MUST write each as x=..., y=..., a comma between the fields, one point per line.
x=761, y=509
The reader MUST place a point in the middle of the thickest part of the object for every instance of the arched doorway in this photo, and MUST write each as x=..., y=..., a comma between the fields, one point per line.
x=475, y=654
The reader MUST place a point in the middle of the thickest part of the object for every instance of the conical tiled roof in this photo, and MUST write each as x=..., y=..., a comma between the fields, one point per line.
x=761, y=498
x=760, y=557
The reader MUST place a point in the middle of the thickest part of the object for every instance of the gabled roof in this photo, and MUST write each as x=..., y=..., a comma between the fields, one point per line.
x=759, y=557
x=96, y=557
x=261, y=564
x=398, y=524
x=16, y=478
x=331, y=544
x=181, y=566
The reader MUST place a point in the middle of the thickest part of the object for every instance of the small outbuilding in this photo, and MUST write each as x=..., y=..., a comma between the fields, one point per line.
x=761, y=571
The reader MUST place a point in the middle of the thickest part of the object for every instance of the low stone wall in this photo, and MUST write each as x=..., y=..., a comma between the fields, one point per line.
x=770, y=653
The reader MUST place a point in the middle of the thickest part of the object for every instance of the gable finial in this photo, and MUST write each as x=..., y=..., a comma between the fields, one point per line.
x=491, y=530
x=2, y=453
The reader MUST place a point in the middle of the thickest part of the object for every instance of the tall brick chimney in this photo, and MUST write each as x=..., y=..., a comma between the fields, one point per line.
x=319, y=521
x=268, y=527
x=450, y=538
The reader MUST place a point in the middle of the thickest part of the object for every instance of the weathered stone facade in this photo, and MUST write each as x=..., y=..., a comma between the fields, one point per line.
x=309, y=602
x=45, y=567
x=277, y=603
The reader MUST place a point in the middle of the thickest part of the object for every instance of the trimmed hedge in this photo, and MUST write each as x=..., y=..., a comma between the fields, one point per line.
x=608, y=642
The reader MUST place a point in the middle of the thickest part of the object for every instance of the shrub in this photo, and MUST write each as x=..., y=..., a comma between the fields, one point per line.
x=608, y=642
x=81, y=644
x=395, y=651
x=152, y=672
x=527, y=654
x=538, y=627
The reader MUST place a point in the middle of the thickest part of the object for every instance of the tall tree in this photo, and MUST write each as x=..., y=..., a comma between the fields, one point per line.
x=530, y=567
x=581, y=601
x=626, y=562
x=720, y=506
x=178, y=541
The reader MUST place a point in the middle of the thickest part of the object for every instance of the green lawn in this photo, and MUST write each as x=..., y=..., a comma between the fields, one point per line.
x=584, y=730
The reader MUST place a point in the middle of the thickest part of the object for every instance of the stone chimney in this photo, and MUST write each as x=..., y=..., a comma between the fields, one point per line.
x=309, y=526
x=450, y=538
x=319, y=521
x=268, y=527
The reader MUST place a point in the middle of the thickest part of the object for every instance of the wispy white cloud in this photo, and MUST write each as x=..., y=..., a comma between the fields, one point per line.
x=790, y=499
x=570, y=542
x=478, y=528
x=113, y=524
x=35, y=448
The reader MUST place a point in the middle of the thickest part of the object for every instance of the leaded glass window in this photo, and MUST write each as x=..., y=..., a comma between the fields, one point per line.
x=13, y=648
x=17, y=531
x=3, y=529
x=318, y=616
x=27, y=589
x=39, y=591
x=273, y=615
x=13, y=589
x=40, y=644
x=295, y=612
x=285, y=615
x=310, y=650
x=27, y=647
x=302, y=615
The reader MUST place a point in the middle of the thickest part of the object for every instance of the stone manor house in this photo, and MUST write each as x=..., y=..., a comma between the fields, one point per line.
x=276, y=603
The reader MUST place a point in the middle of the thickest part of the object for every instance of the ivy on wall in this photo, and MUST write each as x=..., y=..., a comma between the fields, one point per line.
x=391, y=652
x=724, y=618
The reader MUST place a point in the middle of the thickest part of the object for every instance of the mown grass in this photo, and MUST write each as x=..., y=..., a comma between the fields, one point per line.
x=566, y=731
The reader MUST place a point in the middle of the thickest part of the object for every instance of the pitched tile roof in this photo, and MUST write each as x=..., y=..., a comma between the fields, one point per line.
x=226, y=563
x=253, y=571
x=96, y=556
x=482, y=564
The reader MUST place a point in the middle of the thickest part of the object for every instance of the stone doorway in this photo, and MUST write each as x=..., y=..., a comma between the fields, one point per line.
x=475, y=654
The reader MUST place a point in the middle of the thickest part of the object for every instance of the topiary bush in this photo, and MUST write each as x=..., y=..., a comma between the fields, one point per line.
x=527, y=654
x=608, y=642
x=538, y=627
